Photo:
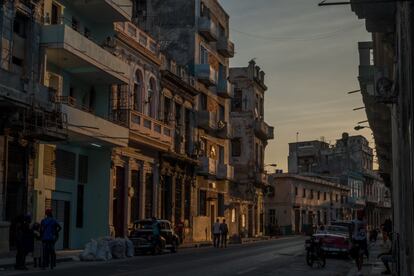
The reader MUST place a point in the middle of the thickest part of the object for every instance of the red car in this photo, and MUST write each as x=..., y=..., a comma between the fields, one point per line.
x=335, y=239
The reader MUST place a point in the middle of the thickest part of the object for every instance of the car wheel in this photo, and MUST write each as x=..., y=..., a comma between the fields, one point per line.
x=174, y=247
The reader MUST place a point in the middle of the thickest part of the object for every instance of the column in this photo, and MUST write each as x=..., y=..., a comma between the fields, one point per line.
x=155, y=188
x=143, y=171
x=173, y=206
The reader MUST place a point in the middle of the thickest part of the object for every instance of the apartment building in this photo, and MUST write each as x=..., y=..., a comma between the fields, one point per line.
x=250, y=137
x=27, y=116
x=200, y=41
x=302, y=202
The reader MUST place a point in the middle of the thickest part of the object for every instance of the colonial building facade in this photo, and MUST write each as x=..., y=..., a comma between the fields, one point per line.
x=248, y=144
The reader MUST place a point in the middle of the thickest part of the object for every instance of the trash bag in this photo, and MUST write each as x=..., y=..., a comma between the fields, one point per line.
x=117, y=248
x=130, y=250
x=103, y=252
x=89, y=254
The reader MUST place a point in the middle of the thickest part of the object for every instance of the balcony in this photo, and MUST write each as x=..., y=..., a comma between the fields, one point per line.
x=88, y=129
x=207, y=120
x=224, y=88
x=207, y=28
x=149, y=131
x=225, y=171
x=206, y=74
x=208, y=166
x=224, y=130
x=225, y=47
x=138, y=38
x=82, y=57
x=263, y=130
x=103, y=11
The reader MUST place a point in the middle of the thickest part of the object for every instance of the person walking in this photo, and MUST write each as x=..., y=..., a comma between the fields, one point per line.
x=37, y=245
x=359, y=240
x=156, y=236
x=224, y=230
x=24, y=241
x=216, y=233
x=49, y=229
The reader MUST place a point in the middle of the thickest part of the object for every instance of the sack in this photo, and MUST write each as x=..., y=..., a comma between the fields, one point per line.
x=117, y=248
x=89, y=254
x=130, y=250
x=103, y=252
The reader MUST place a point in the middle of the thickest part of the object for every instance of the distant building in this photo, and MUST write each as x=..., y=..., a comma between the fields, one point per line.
x=299, y=202
x=250, y=137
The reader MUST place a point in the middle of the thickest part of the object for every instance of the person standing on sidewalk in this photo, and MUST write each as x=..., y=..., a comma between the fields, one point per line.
x=224, y=230
x=37, y=246
x=49, y=229
x=216, y=233
x=359, y=240
x=24, y=241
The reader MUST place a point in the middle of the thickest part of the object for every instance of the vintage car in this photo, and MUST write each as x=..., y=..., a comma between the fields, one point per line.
x=141, y=237
x=335, y=239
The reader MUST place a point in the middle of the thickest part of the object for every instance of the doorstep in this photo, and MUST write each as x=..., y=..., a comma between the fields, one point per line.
x=8, y=261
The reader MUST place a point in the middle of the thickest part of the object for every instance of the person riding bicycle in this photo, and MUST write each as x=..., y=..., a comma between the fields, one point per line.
x=359, y=240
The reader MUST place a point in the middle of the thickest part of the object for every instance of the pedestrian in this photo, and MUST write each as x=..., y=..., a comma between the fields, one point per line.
x=321, y=230
x=49, y=229
x=387, y=257
x=156, y=236
x=224, y=231
x=216, y=233
x=24, y=241
x=180, y=231
x=359, y=240
x=37, y=246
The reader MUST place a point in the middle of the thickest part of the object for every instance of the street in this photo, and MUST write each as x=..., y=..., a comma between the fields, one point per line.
x=277, y=257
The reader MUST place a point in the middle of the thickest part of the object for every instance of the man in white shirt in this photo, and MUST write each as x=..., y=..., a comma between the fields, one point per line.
x=216, y=233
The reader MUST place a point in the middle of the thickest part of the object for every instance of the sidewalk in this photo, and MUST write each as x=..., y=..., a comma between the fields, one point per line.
x=373, y=266
x=61, y=256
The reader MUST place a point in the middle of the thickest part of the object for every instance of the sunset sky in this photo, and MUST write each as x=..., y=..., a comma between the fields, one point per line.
x=310, y=56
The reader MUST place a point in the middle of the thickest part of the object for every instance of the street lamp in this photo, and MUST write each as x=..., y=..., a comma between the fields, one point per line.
x=357, y=128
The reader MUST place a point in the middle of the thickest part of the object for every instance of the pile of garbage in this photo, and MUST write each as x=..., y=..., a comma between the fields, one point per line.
x=107, y=248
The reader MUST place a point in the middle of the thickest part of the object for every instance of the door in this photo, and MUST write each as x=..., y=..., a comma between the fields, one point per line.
x=61, y=212
x=119, y=202
x=297, y=221
x=212, y=215
x=250, y=221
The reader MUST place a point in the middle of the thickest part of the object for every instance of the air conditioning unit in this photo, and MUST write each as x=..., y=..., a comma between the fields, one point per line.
x=384, y=89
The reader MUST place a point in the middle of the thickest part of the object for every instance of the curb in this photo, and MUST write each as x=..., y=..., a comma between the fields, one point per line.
x=30, y=263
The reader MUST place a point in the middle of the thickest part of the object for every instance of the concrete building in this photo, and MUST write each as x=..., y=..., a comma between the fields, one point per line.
x=250, y=136
x=385, y=76
x=200, y=42
x=27, y=115
x=299, y=202
x=76, y=177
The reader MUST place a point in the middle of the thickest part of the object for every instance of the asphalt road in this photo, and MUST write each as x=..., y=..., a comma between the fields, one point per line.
x=277, y=257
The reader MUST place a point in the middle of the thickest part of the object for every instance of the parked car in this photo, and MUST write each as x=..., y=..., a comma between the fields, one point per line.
x=335, y=239
x=141, y=237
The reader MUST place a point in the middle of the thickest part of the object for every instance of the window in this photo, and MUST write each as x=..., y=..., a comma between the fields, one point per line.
x=311, y=194
x=203, y=101
x=236, y=147
x=220, y=209
x=65, y=164
x=237, y=101
x=336, y=198
x=304, y=193
x=319, y=195
x=342, y=199
x=56, y=10
x=324, y=196
x=203, y=55
x=138, y=91
x=79, y=206
x=296, y=191
x=221, y=154
x=149, y=101
x=202, y=203
x=272, y=216
x=135, y=200
x=83, y=169
x=221, y=112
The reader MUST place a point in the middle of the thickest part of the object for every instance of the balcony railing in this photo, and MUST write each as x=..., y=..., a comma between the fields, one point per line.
x=138, y=36
x=206, y=74
x=263, y=130
x=150, y=127
x=225, y=47
x=207, y=28
x=208, y=166
x=71, y=50
x=224, y=88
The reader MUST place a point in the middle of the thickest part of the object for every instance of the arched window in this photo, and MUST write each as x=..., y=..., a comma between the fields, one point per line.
x=150, y=101
x=138, y=86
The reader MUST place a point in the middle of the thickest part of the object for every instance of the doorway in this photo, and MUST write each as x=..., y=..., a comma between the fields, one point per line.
x=61, y=212
x=212, y=215
x=119, y=202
